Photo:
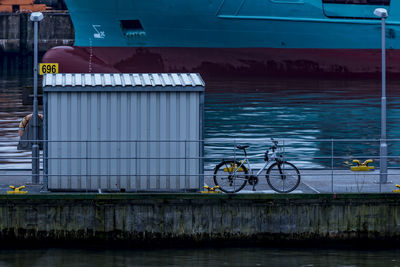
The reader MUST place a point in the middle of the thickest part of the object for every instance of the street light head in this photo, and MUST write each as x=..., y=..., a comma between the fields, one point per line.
x=381, y=12
x=36, y=16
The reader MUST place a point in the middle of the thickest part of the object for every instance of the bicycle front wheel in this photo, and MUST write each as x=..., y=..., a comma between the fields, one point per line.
x=230, y=177
x=283, y=178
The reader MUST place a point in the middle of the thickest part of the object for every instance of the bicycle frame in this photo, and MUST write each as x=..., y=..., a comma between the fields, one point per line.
x=248, y=164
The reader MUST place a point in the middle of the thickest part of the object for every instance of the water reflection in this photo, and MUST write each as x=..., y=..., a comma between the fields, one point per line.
x=11, y=113
x=299, y=112
x=199, y=257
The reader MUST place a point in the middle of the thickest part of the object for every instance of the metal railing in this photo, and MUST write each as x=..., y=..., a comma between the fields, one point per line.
x=176, y=165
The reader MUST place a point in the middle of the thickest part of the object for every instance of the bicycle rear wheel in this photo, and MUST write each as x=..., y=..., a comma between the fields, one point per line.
x=229, y=177
x=284, y=179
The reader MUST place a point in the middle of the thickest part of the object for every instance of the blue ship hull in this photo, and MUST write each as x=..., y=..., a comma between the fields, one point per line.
x=230, y=24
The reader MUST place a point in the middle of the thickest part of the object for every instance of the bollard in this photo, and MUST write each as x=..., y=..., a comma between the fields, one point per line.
x=17, y=190
x=361, y=167
x=211, y=190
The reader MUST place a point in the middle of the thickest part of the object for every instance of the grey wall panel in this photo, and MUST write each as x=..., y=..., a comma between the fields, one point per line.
x=131, y=140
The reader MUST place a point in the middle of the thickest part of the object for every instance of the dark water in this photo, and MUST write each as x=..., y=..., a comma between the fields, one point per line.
x=302, y=114
x=11, y=113
x=200, y=257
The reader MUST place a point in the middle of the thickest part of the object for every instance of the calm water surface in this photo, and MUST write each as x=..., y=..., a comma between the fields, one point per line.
x=11, y=113
x=199, y=257
x=298, y=112
x=301, y=113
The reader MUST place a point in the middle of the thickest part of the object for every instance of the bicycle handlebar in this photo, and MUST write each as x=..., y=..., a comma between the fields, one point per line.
x=273, y=148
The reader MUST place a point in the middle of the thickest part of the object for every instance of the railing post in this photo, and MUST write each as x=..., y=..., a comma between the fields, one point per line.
x=201, y=164
x=137, y=177
x=45, y=147
x=45, y=165
x=332, y=163
x=186, y=172
x=234, y=149
x=234, y=161
x=87, y=165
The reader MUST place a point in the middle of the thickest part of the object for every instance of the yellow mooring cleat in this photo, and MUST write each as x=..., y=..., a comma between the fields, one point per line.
x=397, y=190
x=362, y=167
x=211, y=190
x=17, y=190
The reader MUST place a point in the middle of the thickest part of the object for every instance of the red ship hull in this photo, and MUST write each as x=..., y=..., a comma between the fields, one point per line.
x=221, y=63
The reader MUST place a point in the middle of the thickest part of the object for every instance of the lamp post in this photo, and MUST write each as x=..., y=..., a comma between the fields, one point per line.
x=35, y=17
x=383, y=14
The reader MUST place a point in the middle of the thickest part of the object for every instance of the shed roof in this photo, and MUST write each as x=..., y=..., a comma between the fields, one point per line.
x=124, y=81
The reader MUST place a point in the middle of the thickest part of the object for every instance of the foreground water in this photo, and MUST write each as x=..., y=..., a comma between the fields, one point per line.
x=200, y=257
x=299, y=112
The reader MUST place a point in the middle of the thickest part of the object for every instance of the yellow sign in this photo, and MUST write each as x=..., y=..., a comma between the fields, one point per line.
x=46, y=68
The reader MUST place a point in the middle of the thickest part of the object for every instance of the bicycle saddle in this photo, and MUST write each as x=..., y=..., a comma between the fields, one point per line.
x=241, y=147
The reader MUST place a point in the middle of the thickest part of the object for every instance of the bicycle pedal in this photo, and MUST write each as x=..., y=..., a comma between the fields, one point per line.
x=253, y=180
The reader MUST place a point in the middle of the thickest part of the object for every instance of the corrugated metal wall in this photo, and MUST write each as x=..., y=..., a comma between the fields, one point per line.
x=124, y=122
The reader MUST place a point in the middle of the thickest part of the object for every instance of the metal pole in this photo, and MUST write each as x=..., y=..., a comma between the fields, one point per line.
x=332, y=164
x=383, y=145
x=35, y=145
x=45, y=147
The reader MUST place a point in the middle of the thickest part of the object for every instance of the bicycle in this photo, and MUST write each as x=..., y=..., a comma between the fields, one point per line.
x=232, y=175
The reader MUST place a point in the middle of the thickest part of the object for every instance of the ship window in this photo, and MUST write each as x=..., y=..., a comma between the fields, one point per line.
x=359, y=2
x=132, y=29
x=131, y=25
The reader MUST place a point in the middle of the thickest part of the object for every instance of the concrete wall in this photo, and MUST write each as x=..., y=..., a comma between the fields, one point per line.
x=16, y=32
x=195, y=217
x=9, y=33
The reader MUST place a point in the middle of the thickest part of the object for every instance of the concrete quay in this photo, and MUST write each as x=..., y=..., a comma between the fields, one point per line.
x=140, y=219
x=261, y=217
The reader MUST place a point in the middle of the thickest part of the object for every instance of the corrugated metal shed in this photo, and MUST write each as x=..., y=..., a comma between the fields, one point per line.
x=138, y=132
